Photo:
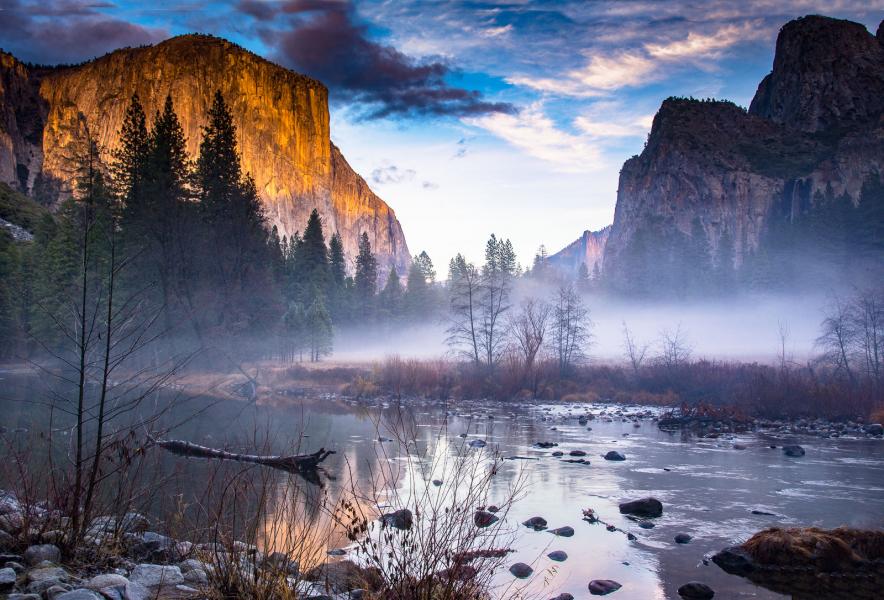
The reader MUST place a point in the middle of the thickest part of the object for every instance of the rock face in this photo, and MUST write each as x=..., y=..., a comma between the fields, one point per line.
x=814, y=129
x=587, y=250
x=282, y=119
x=826, y=73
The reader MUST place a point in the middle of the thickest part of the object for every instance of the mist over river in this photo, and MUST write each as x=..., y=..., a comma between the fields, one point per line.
x=708, y=487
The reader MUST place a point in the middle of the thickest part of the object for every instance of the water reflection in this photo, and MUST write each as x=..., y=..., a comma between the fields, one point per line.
x=708, y=488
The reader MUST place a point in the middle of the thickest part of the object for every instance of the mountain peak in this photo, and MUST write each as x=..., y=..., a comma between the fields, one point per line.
x=827, y=72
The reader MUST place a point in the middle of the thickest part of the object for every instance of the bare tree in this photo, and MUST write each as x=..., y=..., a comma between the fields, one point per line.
x=675, y=349
x=838, y=336
x=635, y=352
x=868, y=327
x=528, y=330
x=783, y=334
x=570, y=329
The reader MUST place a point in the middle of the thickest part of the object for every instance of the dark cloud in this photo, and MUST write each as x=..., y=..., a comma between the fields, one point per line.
x=258, y=9
x=67, y=32
x=391, y=174
x=325, y=41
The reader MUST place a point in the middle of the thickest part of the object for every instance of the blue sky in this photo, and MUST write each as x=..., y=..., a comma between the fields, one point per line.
x=469, y=117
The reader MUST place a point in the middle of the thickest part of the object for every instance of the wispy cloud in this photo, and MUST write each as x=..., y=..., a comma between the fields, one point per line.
x=388, y=174
x=604, y=73
x=535, y=133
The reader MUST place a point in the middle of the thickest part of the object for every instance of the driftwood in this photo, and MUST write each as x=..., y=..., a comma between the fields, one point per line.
x=305, y=465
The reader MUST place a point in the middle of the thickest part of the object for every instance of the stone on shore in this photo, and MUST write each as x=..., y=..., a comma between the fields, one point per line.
x=644, y=507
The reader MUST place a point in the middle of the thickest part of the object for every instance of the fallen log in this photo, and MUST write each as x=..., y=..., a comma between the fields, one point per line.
x=302, y=464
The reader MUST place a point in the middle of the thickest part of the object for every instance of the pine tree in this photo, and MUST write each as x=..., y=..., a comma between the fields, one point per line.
x=366, y=277
x=130, y=159
x=218, y=171
x=314, y=256
x=417, y=300
x=319, y=327
x=391, y=297
x=337, y=271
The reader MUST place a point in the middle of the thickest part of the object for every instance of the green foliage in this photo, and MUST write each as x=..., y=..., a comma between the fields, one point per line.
x=20, y=210
x=366, y=277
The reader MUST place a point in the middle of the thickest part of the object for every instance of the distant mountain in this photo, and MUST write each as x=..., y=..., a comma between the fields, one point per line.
x=787, y=192
x=587, y=250
x=282, y=119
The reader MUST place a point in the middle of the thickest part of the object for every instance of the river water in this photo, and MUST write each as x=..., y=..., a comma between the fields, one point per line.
x=708, y=487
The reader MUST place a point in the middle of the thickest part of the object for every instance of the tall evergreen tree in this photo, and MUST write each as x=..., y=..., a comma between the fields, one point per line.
x=366, y=279
x=337, y=271
x=130, y=159
x=314, y=256
x=391, y=297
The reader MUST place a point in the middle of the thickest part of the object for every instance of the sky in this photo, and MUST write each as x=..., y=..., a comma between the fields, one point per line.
x=468, y=117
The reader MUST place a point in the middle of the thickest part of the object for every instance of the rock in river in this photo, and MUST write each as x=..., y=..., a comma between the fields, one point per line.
x=695, y=590
x=565, y=531
x=603, y=587
x=400, y=519
x=557, y=555
x=794, y=450
x=535, y=523
x=644, y=507
x=682, y=538
x=521, y=570
x=483, y=518
x=614, y=455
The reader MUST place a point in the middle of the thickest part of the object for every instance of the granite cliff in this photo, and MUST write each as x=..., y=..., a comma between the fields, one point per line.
x=814, y=131
x=282, y=119
x=587, y=250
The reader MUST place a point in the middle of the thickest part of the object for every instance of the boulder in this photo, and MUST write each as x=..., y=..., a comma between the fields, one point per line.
x=478, y=444
x=153, y=576
x=793, y=450
x=875, y=429
x=343, y=576
x=695, y=590
x=40, y=552
x=682, y=538
x=614, y=455
x=644, y=507
x=7, y=578
x=565, y=531
x=521, y=570
x=483, y=518
x=535, y=523
x=107, y=580
x=563, y=596
x=557, y=555
x=603, y=587
x=78, y=594
x=577, y=453
x=400, y=519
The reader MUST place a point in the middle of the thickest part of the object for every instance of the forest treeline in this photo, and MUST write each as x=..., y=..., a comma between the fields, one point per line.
x=185, y=238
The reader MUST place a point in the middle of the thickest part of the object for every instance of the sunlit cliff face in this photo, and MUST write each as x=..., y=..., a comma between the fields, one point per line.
x=282, y=123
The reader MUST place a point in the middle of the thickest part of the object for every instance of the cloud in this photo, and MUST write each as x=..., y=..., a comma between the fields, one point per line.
x=391, y=174
x=324, y=40
x=533, y=132
x=613, y=120
x=429, y=185
x=604, y=73
x=67, y=32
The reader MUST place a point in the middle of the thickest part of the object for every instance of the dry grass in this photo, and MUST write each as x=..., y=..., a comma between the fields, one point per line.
x=829, y=550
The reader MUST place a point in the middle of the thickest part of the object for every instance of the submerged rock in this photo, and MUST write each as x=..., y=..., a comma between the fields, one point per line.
x=483, y=518
x=400, y=519
x=682, y=538
x=558, y=556
x=521, y=570
x=535, y=523
x=644, y=507
x=694, y=590
x=794, y=450
x=614, y=455
x=603, y=587
x=478, y=444
x=565, y=531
